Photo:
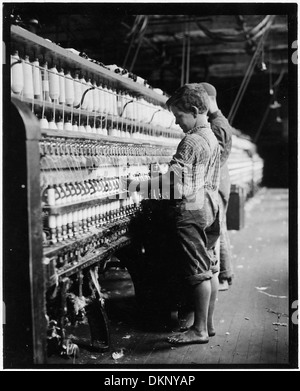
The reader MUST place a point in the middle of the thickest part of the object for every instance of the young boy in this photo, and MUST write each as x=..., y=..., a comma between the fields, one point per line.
x=195, y=211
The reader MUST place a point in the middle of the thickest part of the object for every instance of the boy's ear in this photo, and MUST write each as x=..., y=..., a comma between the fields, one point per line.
x=195, y=110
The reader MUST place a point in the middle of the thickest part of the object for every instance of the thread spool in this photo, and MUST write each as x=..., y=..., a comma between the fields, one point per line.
x=109, y=100
x=112, y=132
x=75, y=127
x=97, y=213
x=98, y=129
x=70, y=225
x=90, y=96
x=80, y=221
x=77, y=90
x=120, y=103
x=84, y=220
x=52, y=124
x=87, y=189
x=89, y=217
x=44, y=124
x=77, y=197
x=16, y=71
x=102, y=107
x=82, y=128
x=122, y=133
x=58, y=198
x=72, y=192
x=106, y=99
x=101, y=210
x=75, y=223
x=129, y=107
x=96, y=100
x=88, y=128
x=84, y=87
x=105, y=212
x=113, y=101
x=68, y=193
x=62, y=88
x=59, y=228
x=60, y=124
x=51, y=221
x=69, y=89
x=93, y=215
x=45, y=82
x=52, y=226
x=36, y=75
x=68, y=125
x=51, y=195
x=28, y=79
x=53, y=83
x=64, y=223
x=96, y=187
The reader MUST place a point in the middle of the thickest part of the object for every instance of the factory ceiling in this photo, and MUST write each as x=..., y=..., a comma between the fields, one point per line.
x=168, y=49
x=229, y=46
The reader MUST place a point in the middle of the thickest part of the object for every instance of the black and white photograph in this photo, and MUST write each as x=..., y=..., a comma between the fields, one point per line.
x=149, y=189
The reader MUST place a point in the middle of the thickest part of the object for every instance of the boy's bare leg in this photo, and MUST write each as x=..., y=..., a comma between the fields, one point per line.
x=213, y=297
x=185, y=319
x=198, y=333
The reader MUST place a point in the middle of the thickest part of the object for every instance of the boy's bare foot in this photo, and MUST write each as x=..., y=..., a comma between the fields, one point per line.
x=223, y=285
x=191, y=336
x=211, y=329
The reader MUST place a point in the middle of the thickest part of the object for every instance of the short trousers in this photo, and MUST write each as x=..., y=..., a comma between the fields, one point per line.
x=195, y=236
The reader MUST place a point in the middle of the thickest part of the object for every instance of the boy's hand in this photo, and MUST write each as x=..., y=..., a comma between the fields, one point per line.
x=131, y=185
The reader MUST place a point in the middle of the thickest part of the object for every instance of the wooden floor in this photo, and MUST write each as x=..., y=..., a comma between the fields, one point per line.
x=251, y=317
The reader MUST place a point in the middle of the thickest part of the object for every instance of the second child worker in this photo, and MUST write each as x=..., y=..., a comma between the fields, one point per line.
x=223, y=131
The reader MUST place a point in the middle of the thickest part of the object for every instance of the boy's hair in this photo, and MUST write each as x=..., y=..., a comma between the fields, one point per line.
x=189, y=95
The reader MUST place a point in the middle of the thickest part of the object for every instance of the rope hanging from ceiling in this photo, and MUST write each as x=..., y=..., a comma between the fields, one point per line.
x=137, y=34
x=186, y=54
x=273, y=96
x=246, y=78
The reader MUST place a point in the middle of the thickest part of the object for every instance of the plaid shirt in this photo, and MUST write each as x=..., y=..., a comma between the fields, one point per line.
x=196, y=163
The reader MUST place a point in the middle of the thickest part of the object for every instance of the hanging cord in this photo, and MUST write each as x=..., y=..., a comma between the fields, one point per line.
x=16, y=62
x=280, y=77
x=243, y=86
x=183, y=60
x=276, y=84
x=186, y=49
x=83, y=96
x=246, y=80
x=188, y=58
x=262, y=122
x=142, y=34
x=135, y=32
x=271, y=91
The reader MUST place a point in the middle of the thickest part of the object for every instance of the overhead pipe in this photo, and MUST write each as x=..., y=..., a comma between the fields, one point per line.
x=251, y=34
